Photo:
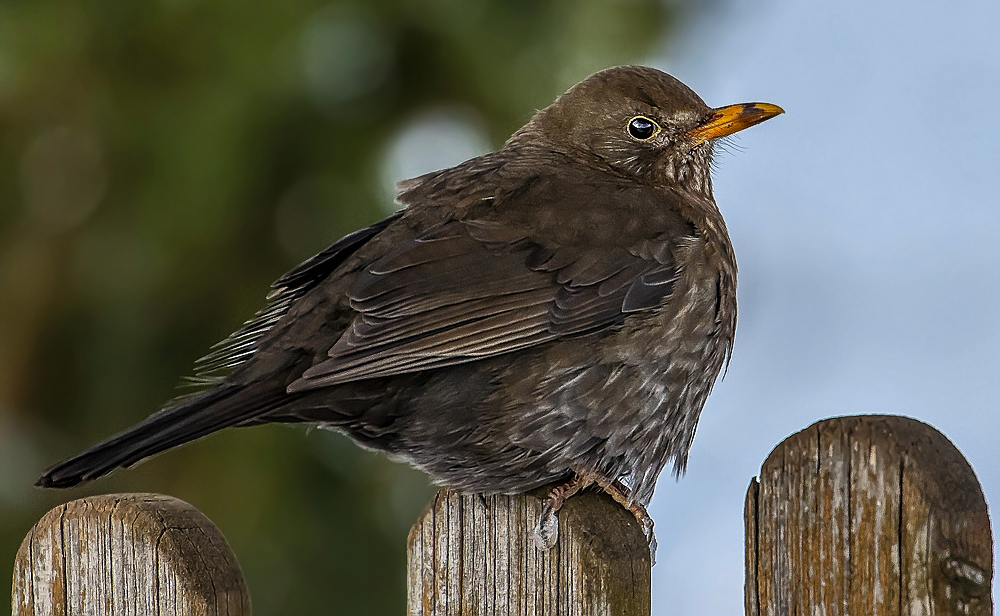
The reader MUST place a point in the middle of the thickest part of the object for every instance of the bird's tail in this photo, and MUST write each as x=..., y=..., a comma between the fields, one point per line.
x=185, y=419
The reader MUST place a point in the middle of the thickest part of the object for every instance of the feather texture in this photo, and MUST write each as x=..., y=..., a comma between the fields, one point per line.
x=473, y=288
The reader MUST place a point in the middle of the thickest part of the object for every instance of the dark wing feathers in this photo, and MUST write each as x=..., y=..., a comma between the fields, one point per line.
x=369, y=335
x=649, y=289
x=503, y=277
x=472, y=289
x=499, y=333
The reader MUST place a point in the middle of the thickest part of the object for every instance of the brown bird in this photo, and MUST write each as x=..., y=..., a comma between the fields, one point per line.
x=555, y=311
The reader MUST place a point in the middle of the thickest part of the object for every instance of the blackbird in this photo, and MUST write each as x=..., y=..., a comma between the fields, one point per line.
x=555, y=312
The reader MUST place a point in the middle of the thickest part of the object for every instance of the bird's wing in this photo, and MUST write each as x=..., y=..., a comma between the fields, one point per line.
x=471, y=289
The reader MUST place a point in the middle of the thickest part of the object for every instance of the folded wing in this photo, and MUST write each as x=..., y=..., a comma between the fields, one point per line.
x=467, y=290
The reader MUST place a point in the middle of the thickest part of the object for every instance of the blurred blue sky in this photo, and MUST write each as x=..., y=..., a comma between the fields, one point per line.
x=867, y=228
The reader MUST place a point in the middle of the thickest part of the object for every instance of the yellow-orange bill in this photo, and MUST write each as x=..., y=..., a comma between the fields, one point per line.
x=728, y=120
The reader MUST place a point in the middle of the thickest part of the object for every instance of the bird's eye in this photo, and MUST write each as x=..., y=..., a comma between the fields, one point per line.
x=642, y=128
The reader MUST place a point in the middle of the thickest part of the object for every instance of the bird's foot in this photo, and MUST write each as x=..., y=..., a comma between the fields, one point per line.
x=546, y=532
x=623, y=496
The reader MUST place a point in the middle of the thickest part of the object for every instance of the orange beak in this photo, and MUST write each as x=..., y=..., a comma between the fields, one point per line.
x=734, y=118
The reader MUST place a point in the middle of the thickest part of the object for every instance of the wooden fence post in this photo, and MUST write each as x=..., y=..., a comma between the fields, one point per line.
x=470, y=555
x=867, y=516
x=131, y=554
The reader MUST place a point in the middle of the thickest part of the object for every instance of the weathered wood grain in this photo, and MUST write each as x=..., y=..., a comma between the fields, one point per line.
x=128, y=554
x=471, y=555
x=869, y=515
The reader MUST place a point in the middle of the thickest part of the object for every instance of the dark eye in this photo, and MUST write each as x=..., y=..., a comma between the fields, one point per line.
x=642, y=128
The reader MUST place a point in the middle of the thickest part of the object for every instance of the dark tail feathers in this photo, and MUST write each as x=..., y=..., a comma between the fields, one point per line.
x=184, y=420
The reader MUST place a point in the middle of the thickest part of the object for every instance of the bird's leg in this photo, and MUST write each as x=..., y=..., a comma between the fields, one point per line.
x=547, y=530
x=623, y=496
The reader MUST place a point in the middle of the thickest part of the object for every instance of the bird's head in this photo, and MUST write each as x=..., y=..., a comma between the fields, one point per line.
x=642, y=122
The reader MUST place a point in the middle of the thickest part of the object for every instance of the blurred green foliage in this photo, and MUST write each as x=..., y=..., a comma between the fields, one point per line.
x=148, y=153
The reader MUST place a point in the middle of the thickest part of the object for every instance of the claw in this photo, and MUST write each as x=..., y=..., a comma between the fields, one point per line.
x=546, y=532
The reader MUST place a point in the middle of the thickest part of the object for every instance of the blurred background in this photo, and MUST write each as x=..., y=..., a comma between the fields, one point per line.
x=161, y=163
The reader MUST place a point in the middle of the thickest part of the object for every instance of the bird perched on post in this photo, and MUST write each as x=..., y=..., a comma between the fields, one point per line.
x=555, y=312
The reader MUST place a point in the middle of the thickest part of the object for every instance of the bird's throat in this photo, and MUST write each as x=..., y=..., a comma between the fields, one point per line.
x=691, y=171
